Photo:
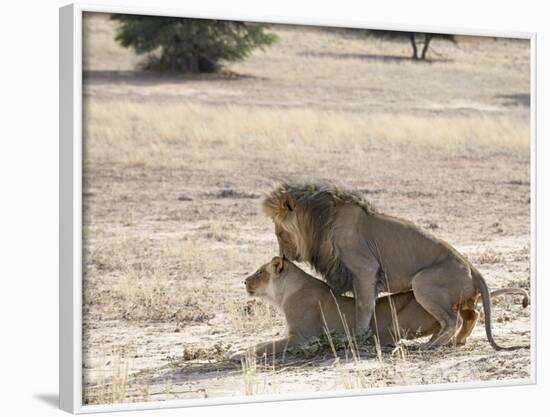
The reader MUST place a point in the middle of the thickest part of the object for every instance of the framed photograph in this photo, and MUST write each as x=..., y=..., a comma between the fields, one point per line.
x=260, y=209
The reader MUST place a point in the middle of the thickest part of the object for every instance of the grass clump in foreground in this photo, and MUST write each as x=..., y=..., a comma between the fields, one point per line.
x=334, y=344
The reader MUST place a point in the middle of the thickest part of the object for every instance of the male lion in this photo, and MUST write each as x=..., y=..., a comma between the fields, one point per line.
x=352, y=246
x=310, y=309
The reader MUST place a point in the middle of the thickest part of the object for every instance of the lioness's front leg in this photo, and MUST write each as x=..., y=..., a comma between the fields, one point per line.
x=271, y=348
x=276, y=346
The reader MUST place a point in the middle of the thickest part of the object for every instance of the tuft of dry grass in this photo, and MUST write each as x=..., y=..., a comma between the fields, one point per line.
x=112, y=383
x=489, y=257
x=251, y=316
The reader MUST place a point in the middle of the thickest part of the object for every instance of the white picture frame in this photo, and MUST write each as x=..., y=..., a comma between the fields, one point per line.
x=70, y=206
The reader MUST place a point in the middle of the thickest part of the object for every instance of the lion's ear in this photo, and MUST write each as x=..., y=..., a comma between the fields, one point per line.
x=288, y=202
x=277, y=263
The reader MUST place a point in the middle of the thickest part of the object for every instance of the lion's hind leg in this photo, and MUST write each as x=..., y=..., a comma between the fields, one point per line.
x=440, y=289
x=469, y=320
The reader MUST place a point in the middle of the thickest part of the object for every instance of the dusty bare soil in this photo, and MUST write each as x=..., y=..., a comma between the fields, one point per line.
x=175, y=168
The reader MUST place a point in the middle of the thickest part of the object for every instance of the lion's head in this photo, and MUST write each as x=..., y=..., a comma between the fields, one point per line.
x=287, y=248
x=303, y=217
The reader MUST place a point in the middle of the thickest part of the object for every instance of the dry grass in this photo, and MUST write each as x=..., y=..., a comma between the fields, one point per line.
x=112, y=382
x=249, y=316
x=148, y=282
x=133, y=134
x=489, y=257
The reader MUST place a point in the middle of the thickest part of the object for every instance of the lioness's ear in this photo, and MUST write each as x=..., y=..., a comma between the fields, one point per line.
x=277, y=263
x=288, y=201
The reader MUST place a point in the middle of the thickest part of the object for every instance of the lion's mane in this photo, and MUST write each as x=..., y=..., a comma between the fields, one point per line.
x=316, y=206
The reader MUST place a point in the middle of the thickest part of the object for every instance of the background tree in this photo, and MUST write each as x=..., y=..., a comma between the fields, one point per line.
x=190, y=45
x=415, y=39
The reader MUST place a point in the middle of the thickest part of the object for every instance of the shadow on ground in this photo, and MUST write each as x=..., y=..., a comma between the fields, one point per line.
x=373, y=57
x=153, y=78
x=515, y=99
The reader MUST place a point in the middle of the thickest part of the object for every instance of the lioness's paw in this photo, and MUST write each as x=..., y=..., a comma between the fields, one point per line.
x=234, y=356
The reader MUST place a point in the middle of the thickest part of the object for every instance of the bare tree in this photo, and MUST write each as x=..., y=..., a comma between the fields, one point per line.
x=415, y=38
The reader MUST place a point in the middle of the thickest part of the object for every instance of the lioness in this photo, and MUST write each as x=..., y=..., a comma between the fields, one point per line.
x=348, y=242
x=310, y=308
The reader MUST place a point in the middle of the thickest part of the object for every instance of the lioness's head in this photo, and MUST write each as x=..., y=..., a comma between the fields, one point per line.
x=260, y=283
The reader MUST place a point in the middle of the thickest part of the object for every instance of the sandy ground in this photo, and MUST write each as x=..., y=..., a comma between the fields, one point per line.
x=175, y=168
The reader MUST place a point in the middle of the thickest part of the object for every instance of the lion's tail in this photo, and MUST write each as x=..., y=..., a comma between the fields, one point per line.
x=516, y=291
x=481, y=285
